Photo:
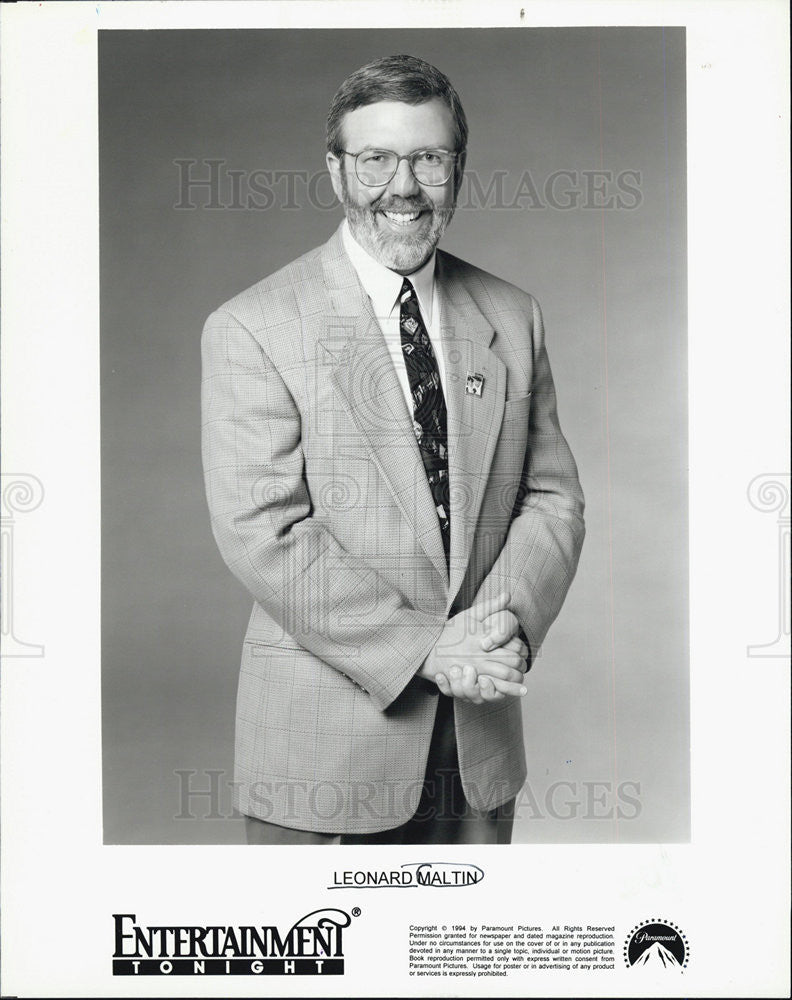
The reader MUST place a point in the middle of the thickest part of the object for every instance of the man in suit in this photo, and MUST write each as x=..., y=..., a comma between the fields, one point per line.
x=386, y=474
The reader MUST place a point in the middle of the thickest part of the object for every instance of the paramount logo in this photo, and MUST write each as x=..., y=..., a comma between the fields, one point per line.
x=313, y=946
x=658, y=944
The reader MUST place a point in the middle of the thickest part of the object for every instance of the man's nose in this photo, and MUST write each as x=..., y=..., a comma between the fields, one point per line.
x=403, y=182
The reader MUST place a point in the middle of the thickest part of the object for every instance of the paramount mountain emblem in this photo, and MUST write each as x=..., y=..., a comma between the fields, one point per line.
x=658, y=945
x=657, y=954
x=313, y=946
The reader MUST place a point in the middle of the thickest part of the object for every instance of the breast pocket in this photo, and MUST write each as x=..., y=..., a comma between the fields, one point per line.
x=512, y=440
x=516, y=414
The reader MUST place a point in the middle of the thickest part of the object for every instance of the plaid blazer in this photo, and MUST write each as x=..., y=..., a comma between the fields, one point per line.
x=320, y=505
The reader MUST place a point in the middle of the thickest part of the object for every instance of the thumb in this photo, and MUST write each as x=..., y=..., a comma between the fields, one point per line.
x=490, y=606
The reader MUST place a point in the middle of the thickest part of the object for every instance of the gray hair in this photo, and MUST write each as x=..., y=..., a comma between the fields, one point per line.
x=394, y=78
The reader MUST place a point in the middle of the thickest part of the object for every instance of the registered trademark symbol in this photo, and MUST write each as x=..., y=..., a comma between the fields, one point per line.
x=355, y=911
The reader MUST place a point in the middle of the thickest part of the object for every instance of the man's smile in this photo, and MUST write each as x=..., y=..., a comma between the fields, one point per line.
x=404, y=221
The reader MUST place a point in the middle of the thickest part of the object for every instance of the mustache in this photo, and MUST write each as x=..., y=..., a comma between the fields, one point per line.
x=399, y=205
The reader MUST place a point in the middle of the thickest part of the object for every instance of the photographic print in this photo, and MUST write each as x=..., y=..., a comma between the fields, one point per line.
x=395, y=429
x=556, y=222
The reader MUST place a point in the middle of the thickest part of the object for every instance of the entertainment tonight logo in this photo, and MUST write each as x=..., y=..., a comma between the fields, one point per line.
x=312, y=947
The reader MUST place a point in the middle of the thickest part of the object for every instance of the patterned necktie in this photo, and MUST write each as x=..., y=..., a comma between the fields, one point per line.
x=429, y=408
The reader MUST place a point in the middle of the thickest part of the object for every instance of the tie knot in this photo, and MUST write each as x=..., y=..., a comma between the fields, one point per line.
x=407, y=291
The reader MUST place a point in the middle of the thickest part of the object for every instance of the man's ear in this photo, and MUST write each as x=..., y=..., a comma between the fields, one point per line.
x=335, y=167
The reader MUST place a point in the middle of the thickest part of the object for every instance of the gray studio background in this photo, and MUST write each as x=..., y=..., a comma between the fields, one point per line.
x=608, y=698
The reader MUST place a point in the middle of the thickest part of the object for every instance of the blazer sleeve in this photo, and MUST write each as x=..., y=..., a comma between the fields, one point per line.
x=330, y=601
x=540, y=555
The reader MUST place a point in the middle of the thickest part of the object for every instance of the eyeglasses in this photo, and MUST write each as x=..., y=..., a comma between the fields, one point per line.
x=376, y=167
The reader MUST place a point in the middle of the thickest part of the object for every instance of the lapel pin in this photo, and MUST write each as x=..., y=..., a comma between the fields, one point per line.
x=474, y=383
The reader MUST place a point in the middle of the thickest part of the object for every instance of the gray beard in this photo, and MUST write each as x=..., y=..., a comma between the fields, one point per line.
x=399, y=253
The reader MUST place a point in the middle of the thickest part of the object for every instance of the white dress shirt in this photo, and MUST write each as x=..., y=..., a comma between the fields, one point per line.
x=383, y=287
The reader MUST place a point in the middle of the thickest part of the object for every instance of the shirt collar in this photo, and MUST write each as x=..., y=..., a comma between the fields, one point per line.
x=383, y=285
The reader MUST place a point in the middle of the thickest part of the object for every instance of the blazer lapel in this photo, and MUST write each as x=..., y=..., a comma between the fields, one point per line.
x=474, y=421
x=367, y=385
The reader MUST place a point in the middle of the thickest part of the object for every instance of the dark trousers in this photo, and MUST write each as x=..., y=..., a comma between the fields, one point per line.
x=443, y=815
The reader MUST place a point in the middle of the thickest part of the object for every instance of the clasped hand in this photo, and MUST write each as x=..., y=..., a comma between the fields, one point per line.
x=479, y=657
